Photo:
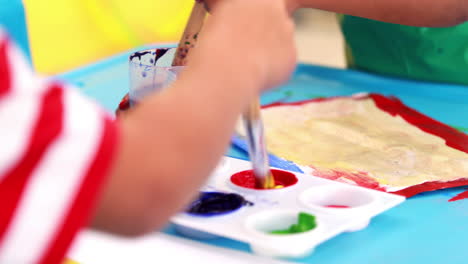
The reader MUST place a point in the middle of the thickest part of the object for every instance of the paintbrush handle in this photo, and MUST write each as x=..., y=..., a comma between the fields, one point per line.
x=256, y=144
x=190, y=36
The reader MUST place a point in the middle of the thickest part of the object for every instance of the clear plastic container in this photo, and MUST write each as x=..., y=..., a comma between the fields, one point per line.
x=151, y=71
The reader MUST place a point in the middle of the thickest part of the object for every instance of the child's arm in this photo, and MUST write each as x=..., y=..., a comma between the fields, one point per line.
x=172, y=141
x=430, y=13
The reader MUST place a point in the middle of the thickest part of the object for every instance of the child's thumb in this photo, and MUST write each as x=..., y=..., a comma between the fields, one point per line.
x=209, y=4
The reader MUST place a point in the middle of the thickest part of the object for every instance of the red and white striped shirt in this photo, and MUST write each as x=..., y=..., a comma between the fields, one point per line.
x=55, y=150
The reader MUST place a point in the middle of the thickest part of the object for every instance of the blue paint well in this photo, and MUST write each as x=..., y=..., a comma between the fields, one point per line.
x=210, y=204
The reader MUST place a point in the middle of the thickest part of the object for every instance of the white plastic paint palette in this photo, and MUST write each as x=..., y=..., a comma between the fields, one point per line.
x=279, y=208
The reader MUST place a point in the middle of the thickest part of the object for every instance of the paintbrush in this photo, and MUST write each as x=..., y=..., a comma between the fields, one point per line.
x=257, y=149
x=252, y=119
x=190, y=35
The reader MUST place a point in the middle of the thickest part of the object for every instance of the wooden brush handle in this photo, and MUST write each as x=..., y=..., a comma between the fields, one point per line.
x=190, y=36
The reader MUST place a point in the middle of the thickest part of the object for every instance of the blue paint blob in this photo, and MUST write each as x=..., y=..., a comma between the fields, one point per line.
x=216, y=203
x=143, y=74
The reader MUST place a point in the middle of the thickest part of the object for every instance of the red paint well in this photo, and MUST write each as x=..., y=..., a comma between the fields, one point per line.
x=246, y=179
x=337, y=206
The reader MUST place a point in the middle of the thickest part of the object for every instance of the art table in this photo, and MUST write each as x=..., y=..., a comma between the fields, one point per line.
x=425, y=229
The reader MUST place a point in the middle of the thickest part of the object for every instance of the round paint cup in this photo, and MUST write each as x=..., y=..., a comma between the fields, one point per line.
x=340, y=200
x=264, y=243
x=244, y=181
x=151, y=71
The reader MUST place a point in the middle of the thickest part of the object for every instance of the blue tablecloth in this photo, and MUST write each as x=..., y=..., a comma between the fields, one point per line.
x=12, y=20
x=426, y=229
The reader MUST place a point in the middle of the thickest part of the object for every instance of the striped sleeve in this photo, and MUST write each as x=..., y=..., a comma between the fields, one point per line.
x=55, y=150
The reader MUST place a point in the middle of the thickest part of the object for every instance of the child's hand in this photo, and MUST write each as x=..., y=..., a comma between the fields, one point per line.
x=248, y=40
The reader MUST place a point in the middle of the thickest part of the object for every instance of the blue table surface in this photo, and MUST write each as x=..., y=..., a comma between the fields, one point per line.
x=425, y=229
x=13, y=21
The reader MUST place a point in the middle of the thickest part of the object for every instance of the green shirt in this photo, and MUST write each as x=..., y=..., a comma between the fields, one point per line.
x=430, y=54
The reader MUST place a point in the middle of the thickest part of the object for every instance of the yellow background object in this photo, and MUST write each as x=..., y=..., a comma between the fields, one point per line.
x=65, y=34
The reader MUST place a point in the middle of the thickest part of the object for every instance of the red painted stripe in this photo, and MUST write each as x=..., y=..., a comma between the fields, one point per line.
x=431, y=186
x=453, y=138
x=315, y=100
x=460, y=196
x=47, y=128
x=5, y=77
x=80, y=212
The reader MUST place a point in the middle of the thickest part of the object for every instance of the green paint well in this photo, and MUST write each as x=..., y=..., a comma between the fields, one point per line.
x=306, y=222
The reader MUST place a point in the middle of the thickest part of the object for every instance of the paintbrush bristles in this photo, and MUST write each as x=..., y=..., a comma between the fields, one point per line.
x=269, y=182
x=190, y=35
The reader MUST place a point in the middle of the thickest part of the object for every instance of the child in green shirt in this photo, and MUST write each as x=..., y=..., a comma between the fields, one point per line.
x=416, y=39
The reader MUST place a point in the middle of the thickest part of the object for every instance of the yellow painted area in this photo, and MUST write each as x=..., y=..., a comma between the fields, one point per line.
x=65, y=34
x=355, y=136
